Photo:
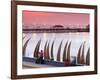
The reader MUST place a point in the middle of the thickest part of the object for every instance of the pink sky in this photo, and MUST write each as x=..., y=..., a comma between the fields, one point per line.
x=32, y=17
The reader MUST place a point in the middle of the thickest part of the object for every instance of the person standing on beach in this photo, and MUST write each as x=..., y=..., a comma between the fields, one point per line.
x=41, y=56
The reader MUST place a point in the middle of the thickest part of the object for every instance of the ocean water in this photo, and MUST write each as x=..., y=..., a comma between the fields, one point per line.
x=76, y=39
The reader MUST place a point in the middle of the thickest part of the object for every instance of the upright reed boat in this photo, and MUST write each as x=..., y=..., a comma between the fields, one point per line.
x=37, y=49
x=24, y=47
x=59, y=52
x=88, y=57
x=64, y=52
x=52, y=46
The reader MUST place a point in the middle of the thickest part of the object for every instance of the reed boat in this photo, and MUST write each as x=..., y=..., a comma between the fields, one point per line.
x=79, y=55
x=24, y=47
x=23, y=37
x=82, y=61
x=35, y=54
x=45, y=51
x=64, y=52
x=68, y=53
x=52, y=46
x=59, y=51
x=48, y=54
x=88, y=57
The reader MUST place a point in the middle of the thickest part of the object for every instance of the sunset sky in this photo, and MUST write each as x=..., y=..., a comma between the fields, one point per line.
x=32, y=17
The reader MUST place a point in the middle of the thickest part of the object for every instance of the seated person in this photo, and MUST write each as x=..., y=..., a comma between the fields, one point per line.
x=40, y=58
x=66, y=62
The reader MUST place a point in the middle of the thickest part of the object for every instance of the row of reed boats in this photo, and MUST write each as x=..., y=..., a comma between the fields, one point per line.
x=80, y=58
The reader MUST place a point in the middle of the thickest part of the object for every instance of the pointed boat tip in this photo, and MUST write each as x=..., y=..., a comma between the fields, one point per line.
x=62, y=40
x=29, y=38
x=23, y=37
x=25, y=45
x=53, y=41
x=70, y=42
x=84, y=42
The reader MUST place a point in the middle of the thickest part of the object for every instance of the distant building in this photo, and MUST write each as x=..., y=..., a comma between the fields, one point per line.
x=58, y=27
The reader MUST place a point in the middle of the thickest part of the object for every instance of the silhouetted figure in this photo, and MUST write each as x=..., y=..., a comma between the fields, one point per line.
x=41, y=57
x=40, y=60
x=66, y=62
